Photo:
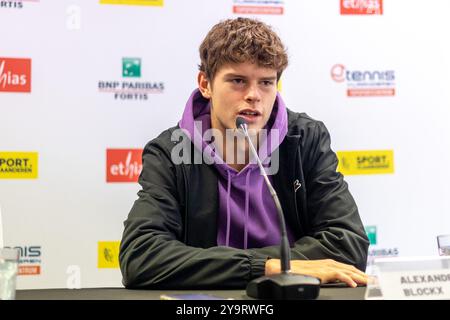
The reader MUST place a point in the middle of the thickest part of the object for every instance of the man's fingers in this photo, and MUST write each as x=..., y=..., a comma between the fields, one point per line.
x=329, y=270
x=345, y=278
x=349, y=268
x=356, y=274
x=358, y=278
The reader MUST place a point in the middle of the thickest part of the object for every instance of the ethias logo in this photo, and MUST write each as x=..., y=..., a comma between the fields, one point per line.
x=123, y=165
x=15, y=75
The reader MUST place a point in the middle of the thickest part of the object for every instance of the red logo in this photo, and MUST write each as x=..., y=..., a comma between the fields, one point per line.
x=338, y=72
x=29, y=270
x=258, y=10
x=383, y=92
x=362, y=7
x=15, y=75
x=123, y=165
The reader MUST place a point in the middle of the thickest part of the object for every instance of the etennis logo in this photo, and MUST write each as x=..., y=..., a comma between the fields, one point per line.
x=18, y=165
x=30, y=260
x=363, y=82
x=366, y=162
x=15, y=75
x=108, y=254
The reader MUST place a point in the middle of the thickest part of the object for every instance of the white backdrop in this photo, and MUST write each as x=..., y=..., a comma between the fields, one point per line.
x=60, y=217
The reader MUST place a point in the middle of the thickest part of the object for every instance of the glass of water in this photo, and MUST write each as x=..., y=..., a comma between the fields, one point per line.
x=9, y=259
x=444, y=244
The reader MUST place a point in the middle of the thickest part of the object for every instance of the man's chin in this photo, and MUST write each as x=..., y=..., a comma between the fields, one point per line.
x=254, y=129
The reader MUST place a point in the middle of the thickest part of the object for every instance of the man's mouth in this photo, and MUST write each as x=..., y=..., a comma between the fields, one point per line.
x=249, y=113
x=250, y=116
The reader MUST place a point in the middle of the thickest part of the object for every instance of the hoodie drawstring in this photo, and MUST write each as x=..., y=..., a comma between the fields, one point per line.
x=247, y=180
x=227, y=239
x=247, y=201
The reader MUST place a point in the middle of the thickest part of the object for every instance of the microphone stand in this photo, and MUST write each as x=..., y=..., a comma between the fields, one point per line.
x=284, y=285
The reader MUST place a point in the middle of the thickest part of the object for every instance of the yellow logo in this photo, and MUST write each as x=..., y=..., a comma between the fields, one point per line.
x=153, y=3
x=279, y=85
x=18, y=165
x=108, y=254
x=366, y=162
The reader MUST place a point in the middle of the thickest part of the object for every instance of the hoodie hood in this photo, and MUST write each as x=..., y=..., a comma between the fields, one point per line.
x=246, y=208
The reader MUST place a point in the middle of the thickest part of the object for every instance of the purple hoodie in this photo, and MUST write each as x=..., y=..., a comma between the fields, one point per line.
x=247, y=214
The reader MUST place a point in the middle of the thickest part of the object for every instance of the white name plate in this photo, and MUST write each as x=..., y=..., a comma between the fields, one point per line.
x=423, y=278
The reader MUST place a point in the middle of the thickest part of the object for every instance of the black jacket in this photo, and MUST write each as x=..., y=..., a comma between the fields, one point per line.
x=169, y=240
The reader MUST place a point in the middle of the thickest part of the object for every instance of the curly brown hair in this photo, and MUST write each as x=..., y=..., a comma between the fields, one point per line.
x=242, y=40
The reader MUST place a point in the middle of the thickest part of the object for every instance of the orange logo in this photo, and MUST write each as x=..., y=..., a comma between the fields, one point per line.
x=29, y=270
x=362, y=7
x=273, y=7
x=123, y=165
x=15, y=75
x=257, y=10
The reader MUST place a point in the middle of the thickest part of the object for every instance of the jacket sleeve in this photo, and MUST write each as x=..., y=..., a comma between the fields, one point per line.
x=334, y=229
x=152, y=253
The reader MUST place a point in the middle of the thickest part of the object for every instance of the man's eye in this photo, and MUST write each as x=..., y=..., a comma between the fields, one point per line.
x=267, y=82
x=237, y=81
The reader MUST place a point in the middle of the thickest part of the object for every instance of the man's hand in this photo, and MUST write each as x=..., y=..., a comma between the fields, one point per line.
x=326, y=270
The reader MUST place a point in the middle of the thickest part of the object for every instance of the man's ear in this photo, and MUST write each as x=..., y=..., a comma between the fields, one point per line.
x=204, y=85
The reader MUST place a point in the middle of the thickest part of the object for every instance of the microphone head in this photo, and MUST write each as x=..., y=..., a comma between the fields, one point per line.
x=240, y=121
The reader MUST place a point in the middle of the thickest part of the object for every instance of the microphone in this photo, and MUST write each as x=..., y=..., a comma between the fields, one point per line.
x=284, y=285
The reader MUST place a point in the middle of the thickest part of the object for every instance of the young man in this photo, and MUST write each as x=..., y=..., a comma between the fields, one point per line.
x=213, y=223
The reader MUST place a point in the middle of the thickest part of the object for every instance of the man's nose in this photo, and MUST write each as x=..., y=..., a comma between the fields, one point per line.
x=253, y=94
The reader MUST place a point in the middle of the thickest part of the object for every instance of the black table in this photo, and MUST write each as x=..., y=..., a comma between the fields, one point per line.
x=326, y=293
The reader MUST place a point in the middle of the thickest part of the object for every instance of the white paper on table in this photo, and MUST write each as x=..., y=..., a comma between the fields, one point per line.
x=1, y=228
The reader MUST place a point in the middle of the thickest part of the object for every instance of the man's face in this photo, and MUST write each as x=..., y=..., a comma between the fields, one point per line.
x=245, y=90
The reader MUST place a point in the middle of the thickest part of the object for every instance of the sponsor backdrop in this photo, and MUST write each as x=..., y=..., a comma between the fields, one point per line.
x=85, y=84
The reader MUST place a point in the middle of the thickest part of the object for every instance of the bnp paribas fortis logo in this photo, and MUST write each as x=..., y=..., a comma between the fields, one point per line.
x=366, y=162
x=108, y=254
x=15, y=4
x=131, y=86
x=131, y=67
x=371, y=232
x=153, y=3
x=18, y=165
